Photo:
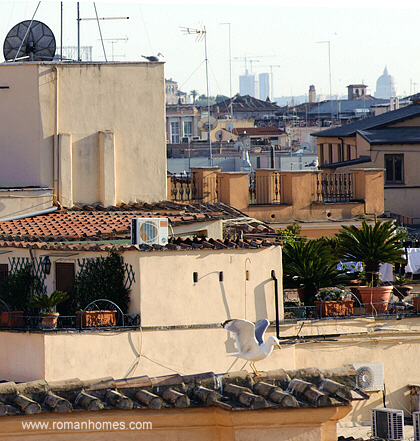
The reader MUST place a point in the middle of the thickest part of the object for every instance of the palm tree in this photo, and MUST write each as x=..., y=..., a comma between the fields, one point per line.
x=309, y=265
x=193, y=93
x=372, y=245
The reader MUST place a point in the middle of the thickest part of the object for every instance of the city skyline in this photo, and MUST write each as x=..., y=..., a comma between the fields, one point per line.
x=363, y=40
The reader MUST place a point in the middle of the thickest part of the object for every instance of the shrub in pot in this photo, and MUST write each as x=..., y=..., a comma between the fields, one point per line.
x=373, y=245
x=47, y=304
x=309, y=266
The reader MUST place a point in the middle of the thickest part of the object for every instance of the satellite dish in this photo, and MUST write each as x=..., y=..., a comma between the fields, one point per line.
x=306, y=146
x=29, y=42
x=204, y=123
x=219, y=135
x=229, y=127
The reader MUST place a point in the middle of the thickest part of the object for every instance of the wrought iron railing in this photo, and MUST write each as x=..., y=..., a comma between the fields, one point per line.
x=17, y=321
x=334, y=187
x=321, y=312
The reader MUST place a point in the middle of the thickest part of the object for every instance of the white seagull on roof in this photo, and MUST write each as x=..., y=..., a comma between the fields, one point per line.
x=250, y=340
x=314, y=163
x=153, y=57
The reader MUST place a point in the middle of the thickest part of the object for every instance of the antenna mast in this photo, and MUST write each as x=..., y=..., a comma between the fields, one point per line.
x=202, y=34
x=96, y=19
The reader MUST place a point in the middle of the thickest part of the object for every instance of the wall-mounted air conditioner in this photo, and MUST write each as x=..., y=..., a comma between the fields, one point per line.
x=370, y=376
x=150, y=231
x=387, y=424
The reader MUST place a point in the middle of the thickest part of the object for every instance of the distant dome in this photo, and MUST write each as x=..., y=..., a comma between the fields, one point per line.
x=385, y=86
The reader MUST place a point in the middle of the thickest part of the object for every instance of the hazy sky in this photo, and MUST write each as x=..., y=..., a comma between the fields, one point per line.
x=364, y=38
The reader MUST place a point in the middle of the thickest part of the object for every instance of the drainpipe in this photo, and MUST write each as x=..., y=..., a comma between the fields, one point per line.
x=35, y=213
x=55, y=140
x=276, y=298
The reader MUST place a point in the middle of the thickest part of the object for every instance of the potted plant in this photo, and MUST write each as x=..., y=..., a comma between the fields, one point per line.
x=309, y=266
x=15, y=290
x=372, y=245
x=47, y=303
x=334, y=301
x=401, y=287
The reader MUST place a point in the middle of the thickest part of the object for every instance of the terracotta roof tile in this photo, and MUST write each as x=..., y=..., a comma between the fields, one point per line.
x=233, y=391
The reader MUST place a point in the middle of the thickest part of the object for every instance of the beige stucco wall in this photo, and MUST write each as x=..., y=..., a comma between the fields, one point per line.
x=19, y=202
x=169, y=296
x=189, y=424
x=82, y=100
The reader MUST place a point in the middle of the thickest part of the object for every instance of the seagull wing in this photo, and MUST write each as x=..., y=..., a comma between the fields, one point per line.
x=151, y=58
x=244, y=332
x=260, y=328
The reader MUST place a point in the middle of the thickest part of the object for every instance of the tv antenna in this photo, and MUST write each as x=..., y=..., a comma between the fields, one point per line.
x=79, y=19
x=113, y=41
x=201, y=34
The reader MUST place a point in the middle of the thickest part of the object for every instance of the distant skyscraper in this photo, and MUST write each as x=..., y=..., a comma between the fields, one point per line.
x=312, y=94
x=264, y=86
x=247, y=85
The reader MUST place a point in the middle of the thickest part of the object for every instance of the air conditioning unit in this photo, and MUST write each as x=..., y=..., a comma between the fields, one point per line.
x=387, y=424
x=185, y=140
x=370, y=376
x=150, y=231
x=416, y=425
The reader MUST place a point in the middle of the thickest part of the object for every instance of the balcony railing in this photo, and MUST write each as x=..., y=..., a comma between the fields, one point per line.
x=396, y=309
x=334, y=187
x=265, y=189
x=64, y=323
x=187, y=187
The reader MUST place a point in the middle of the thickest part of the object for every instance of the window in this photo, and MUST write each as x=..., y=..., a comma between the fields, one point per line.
x=394, y=169
x=174, y=132
x=187, y=129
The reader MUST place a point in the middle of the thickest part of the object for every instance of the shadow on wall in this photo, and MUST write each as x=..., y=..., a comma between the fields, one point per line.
x=260, y=299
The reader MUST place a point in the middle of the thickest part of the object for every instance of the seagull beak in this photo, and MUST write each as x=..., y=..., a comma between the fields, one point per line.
x=278, y=346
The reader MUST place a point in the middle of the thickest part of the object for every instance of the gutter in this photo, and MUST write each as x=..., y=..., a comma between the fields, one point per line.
x=55, y=138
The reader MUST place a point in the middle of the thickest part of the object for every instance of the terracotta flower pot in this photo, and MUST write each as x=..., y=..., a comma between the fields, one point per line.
x=97, y=318
x=333, y=308
x=375, y=299
x=49, y=321
x=401, y=291
x=416, y=305
x=14, y=319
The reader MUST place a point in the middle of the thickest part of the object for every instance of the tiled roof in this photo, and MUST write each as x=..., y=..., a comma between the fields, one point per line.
x=176, y=244
x=98, y=223
x=392, y=135
x=375, y=122
x=234, y=391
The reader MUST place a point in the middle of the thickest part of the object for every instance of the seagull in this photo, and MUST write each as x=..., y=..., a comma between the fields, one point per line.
x=250, y=340
x=314, y=163
x=153, y=57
